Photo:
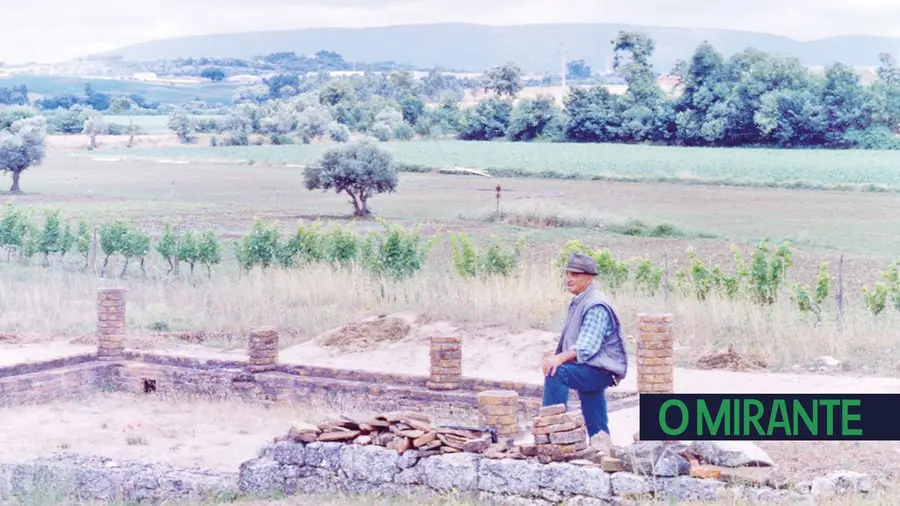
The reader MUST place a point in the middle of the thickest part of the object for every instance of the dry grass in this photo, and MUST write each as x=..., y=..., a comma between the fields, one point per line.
x=56, y=302
x=888, y=497
x=881, y=499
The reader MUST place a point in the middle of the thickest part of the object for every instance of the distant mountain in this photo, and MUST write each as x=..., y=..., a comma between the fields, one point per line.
x=535, y=48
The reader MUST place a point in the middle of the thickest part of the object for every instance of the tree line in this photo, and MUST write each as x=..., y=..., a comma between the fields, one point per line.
x=752, y=98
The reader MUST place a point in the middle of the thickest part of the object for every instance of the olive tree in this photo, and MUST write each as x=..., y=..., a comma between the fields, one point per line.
x=22, y=146
x=360, y=169
x=93, y=126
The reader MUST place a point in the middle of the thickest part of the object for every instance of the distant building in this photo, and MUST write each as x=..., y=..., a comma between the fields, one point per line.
x=145, y=76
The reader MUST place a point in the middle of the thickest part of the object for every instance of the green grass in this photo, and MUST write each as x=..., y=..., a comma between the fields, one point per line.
x=53, y=85
x=151, y=124
x=810, y=169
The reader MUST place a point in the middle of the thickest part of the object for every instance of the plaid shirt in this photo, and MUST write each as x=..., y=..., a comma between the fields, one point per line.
x=594, y=329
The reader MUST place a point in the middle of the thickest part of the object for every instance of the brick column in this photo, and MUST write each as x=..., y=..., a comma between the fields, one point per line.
x=446, y=363
x=499, y=410
x=263, y=349
x=655, y=352
x=110, y=323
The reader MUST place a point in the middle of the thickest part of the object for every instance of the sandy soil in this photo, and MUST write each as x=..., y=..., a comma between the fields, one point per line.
x=180, y=432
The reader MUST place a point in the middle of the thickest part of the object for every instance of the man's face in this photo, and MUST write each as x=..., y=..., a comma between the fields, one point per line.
x=576, y=282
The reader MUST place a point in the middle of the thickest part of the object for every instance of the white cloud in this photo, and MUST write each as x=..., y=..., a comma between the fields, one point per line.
x=69, y=29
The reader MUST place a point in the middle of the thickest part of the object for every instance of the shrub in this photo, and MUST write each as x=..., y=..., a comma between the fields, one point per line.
x=341, y=247
x=338, y=132
x=496, y=260
x=304, y=247
x=209, y=251
x=113, y=239
x=648, y=277
x=397, y=254
x=808, y=301
x=259, y=247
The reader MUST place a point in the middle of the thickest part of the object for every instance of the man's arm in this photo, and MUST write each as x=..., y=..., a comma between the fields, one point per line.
x=593, y=330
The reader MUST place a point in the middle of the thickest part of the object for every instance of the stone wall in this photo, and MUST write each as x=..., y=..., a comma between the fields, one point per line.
x=59, y=379
x=289, y=468
x=86, y=478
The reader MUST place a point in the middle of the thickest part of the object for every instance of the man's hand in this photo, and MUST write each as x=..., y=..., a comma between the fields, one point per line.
x=551, y=364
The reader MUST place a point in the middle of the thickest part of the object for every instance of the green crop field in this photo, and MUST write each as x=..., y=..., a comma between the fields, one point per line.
x=53, y=85
x=150, y=124
x=822, y=169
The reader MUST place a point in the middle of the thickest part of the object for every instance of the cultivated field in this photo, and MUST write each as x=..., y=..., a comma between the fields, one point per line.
x=517, y=314
x=800, y=169
x=151, y=124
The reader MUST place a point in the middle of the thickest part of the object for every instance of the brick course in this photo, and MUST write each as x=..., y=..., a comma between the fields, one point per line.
x=446, y=363
x=655, y=353
x=110, y=323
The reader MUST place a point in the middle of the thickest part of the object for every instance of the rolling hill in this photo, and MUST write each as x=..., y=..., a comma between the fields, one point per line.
x=536, y=48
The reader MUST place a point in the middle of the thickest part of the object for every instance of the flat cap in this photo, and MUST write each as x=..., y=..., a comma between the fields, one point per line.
x=581, y=263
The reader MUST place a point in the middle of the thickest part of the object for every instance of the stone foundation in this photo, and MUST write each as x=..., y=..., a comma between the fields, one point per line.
x=289, y=468
x=88, y=479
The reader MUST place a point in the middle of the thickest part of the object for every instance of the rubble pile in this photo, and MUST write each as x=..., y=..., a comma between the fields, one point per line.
x=403, y=431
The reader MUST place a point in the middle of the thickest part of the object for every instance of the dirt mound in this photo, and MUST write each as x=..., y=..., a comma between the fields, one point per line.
x=366, y=335
x=730, y=360
x=10, y=338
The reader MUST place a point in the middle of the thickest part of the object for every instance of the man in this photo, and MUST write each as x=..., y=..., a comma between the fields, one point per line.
x=590, y=356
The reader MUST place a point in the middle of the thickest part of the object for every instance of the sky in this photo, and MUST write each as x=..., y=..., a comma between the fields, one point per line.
x=58, y=30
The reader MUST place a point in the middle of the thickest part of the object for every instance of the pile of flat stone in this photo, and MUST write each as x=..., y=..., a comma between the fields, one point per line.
x=402, y=431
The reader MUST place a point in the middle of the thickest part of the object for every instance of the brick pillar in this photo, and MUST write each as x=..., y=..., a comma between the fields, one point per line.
x=110, y=323
x=499, y=410
x=446, y=363
x=263, y=349
x=655, y=352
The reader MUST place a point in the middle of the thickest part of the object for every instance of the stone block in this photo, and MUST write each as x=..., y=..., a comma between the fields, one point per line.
x=627, y=484
x=370, y=464
x=452, y=472
x=509, y=476
x=568, y=479
x=260, y=477
x=325, y=456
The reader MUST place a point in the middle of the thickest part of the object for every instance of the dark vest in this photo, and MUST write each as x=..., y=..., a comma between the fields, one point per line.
x=612, y=356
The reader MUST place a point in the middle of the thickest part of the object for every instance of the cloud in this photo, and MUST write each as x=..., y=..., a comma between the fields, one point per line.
x=70, y=29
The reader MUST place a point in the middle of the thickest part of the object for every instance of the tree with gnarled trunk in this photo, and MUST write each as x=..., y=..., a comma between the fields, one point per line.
x=360, y=169
x=21, y=147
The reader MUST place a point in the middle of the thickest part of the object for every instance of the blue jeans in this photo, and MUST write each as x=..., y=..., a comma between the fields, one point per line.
x=590, y=383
